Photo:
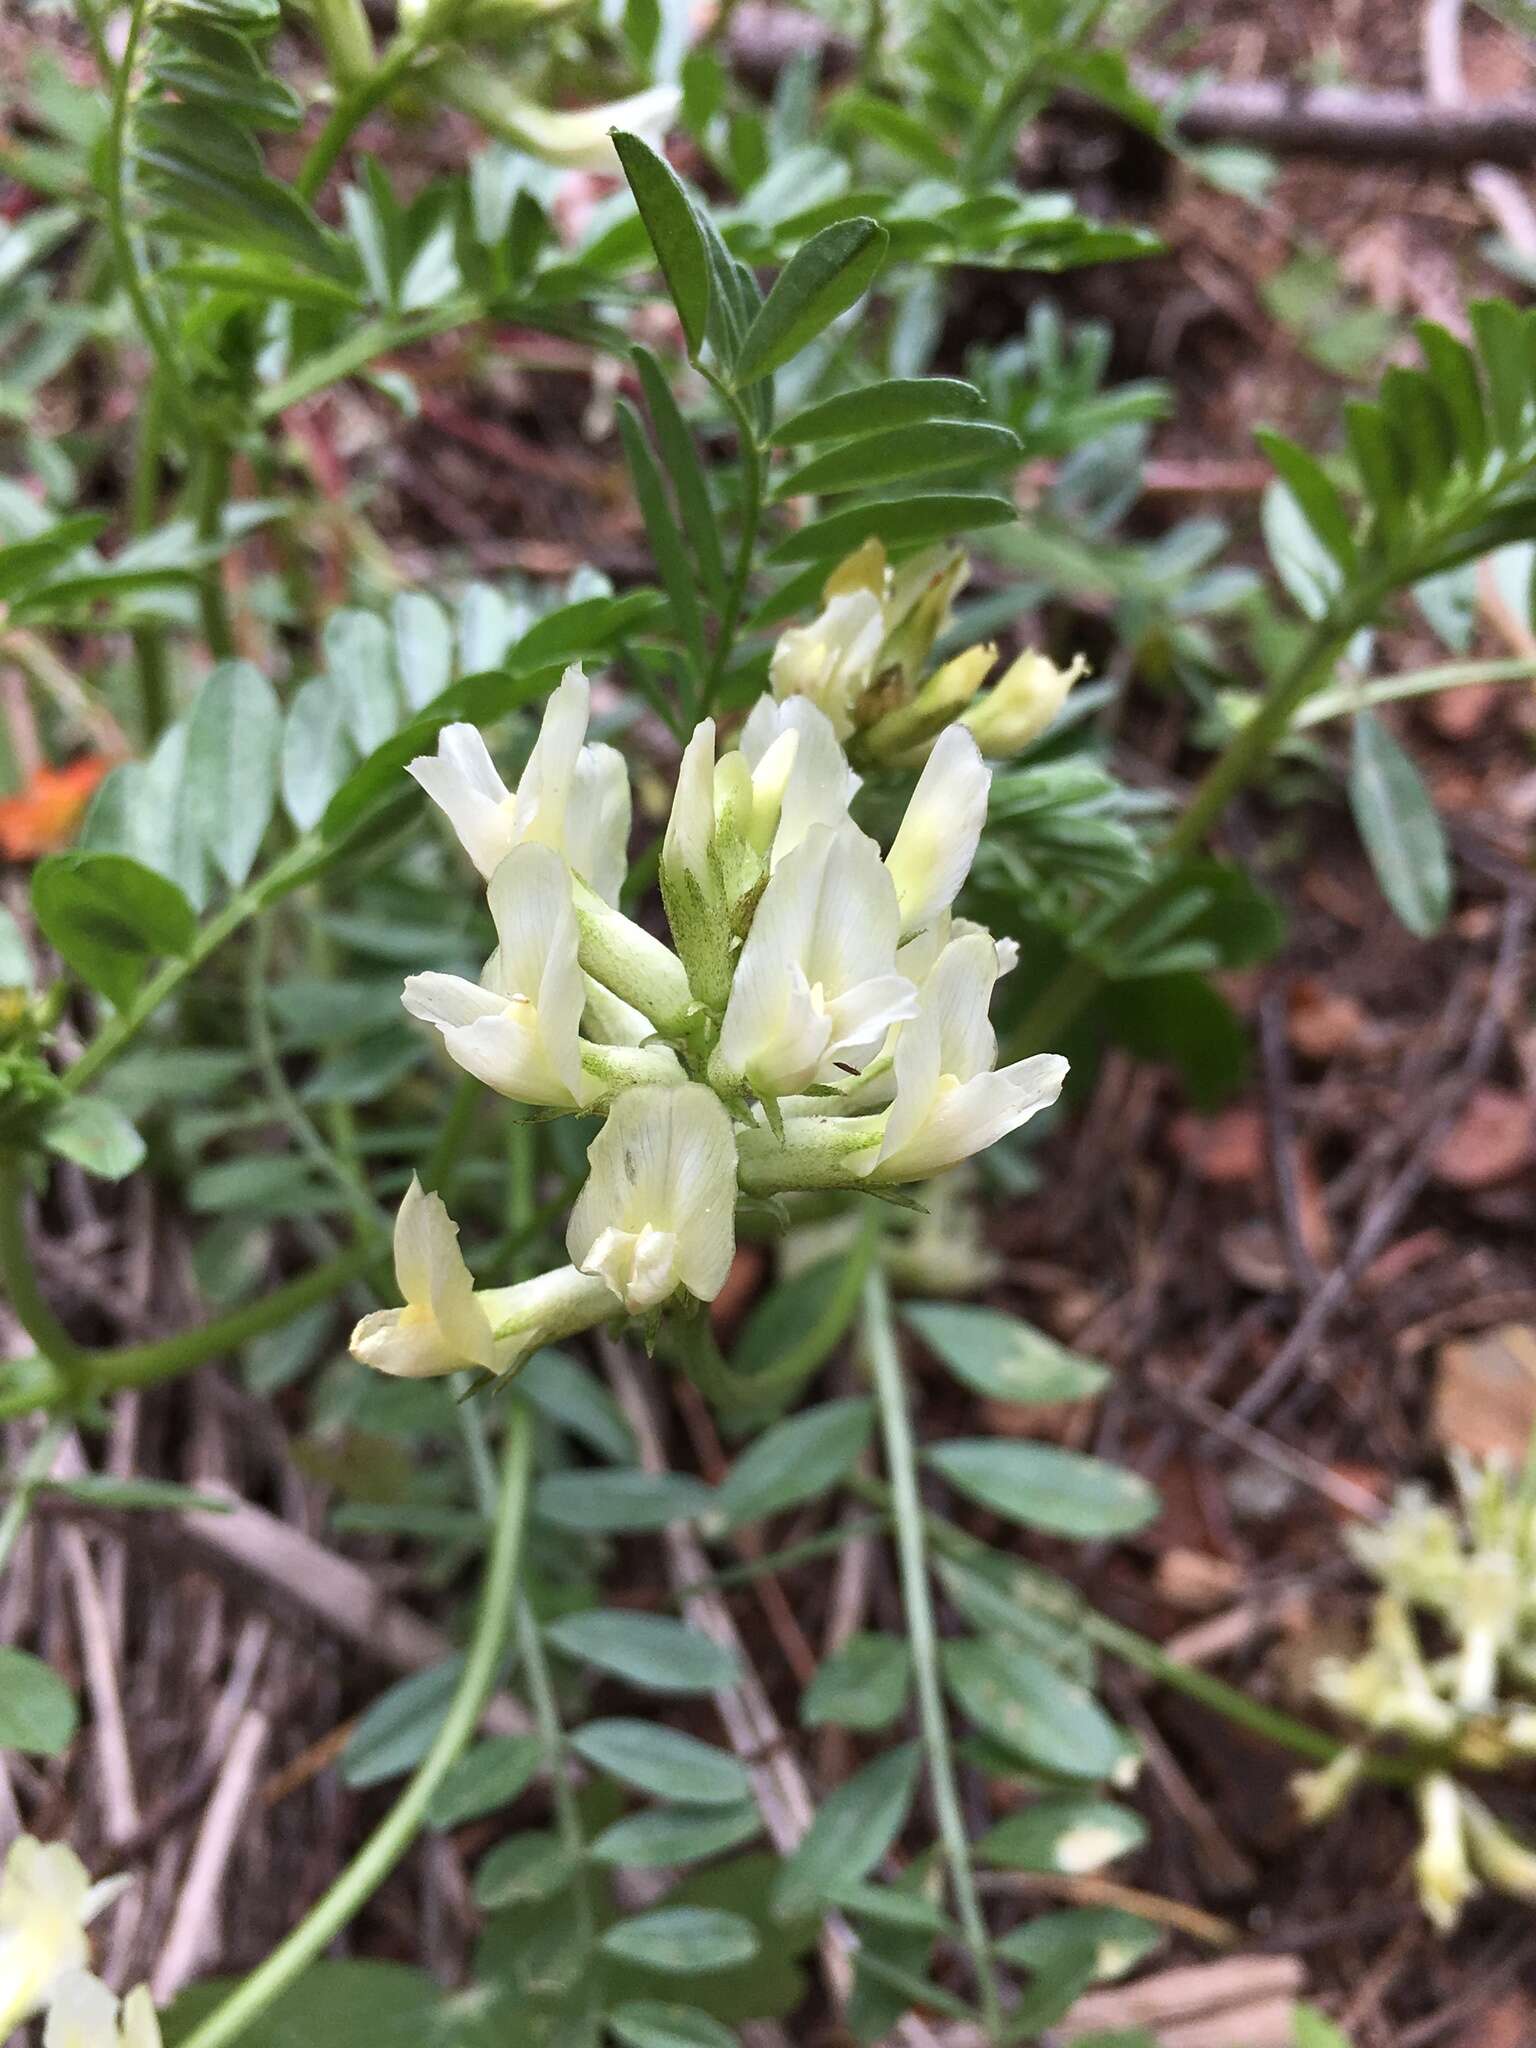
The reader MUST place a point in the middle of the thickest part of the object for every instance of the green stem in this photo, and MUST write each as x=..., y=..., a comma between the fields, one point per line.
x=390, y=1840
x=39, y=1459
x=144, y=1365
x=1423, y=682
x=295, y=867
x=353, y=107
x=901, y=1461
x=210, y=489
x=356, y=350
x=69, y=1359
x=149, y=641
x=124, y=255
x=754, y=478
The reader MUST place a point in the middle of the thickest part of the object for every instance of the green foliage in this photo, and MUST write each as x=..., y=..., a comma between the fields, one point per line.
x=38, y=1714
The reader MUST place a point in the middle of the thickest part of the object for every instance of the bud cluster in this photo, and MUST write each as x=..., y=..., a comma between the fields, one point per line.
x=1450, y=1670
x=818, y=1021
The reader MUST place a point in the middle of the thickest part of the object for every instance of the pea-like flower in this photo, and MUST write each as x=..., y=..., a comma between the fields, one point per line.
x=936, y=842
x=85, y=2014
x=816, y=985
x=951, y=1098
x=519, y=1029
x=571, y=796
x=659, y=1207
x=47, y=1901
x=444, y=1325
x=832, y=660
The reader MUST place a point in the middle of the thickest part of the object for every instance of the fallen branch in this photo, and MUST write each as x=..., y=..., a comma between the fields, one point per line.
x=1353, y=124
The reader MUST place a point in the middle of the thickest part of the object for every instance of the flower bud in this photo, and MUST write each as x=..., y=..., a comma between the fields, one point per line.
x=1444, y=1875
x=1024, y=700
x=903, y=736
x=832, y=660
x=1508, y=1863
x=576, y=141
x=692, y=884
x=936, y=842
x=1321, y=1793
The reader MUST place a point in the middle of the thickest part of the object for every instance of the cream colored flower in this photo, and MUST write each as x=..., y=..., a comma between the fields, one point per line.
x=571, y=796
x=519, y=1029
x=816, y=987
x=950, y=1100
x=47, y=1901
x=832, y=660
x=85, y=2014
x=443, y=1325
x=658, y=1209
x=800, y=774
x=1444, y=1875
x=936, y=842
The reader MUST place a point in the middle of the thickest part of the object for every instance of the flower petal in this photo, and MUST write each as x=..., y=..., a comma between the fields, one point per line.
x=462, y=781
x=936, y=843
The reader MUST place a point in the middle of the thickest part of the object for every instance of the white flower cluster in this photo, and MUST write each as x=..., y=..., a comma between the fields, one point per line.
x=1473, y=1574
x=819, y=1021
x=47, y=1901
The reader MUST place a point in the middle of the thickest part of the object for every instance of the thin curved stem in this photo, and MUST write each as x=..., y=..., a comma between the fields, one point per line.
x=17, y=1273
x=394, y=1835
x=39, y=1460
x=295, y=867
x=125, y=256
x=917, y=1600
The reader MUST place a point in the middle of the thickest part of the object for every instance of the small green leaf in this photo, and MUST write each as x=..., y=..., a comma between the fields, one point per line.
x=1002, y=1358
x=357, y=657
x=676, y=235
x=95, y=1134
x=795, y=1460
x=648, y=2024
x=899, y=402
x=928, y=448
x=1313, y=2030
x=423, y=647
x=1066, y=1834
x=400, y=1727
x=38, y=1714
x=1045, y=1487
x=234, y=743
x=622, y=1502
x=108, y=917
x=522, y=1870
x=491, y=1774
x=900, y=522
x=1312, y=490
x=852, y=1830
x=664, y=1762
x=648, y=1650
x=863, y=1685
x=822, y=279
x=1025, y=1704
x=666, y=1836
x=317, y=751
x=1400, y=827
x=1103, y=1940
x=683, y=1941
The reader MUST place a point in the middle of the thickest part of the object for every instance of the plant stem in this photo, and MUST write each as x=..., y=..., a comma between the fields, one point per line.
x=390, y=1840
x=294, y=867
x=144, y=1365
x=754, y=477
x=353, y=107
x=144, y=494
x=123, y=252
x=210, y=489
x=69, y=1359
x=901, y=1461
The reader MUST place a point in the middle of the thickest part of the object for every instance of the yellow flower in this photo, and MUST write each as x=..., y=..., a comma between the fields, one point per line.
x=47, y=1901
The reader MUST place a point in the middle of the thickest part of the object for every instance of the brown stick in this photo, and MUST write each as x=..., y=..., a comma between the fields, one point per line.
x=1351, y=124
